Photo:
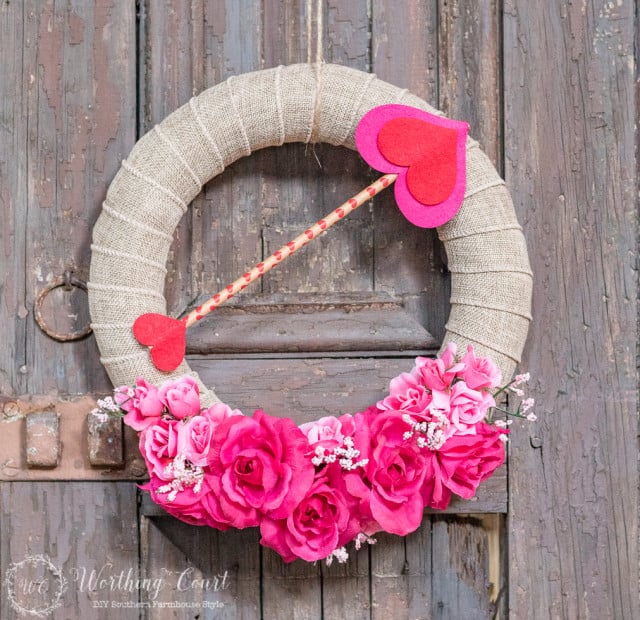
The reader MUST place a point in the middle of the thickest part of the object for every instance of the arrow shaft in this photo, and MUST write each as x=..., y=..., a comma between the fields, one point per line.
x=287, y=250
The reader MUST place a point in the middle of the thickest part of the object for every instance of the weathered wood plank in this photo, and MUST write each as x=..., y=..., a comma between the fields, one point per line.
x=190, y=47
x=205, y=573
x=13, y=196
x=346, y=591
x=570, y=97
x=304, y=182
x=315, y=323
x=401, y=574
x=292, y=591
x=470, y=71
x=304, y=389
x=88, y=531
x=408, y=260
x=72, y=128
x=460, y=570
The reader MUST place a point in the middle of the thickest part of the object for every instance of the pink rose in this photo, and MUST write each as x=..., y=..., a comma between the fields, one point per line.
x=181, y=396
x=142, y=404
x=467, y=407
x=436, y=374
x=329, y=432
x=159, y=445
x=449, y=354
x=188, y=505
x=462, y=463
x=390, y=488
x=480, y=372
x=194, y=439
x=320, y=523
x=406, y=393
x=219, y=412
x=259, y=466
x=196, y=433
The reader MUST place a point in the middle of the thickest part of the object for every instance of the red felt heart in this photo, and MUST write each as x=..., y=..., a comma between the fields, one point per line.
x=165, y=336
x=429, y=153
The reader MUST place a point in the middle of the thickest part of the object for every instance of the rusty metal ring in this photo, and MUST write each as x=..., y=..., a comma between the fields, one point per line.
x=69, y=281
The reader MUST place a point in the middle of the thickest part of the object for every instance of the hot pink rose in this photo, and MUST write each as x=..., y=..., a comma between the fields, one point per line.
x=196, y=433
x=480, y=372
x=407, y=393
x=329, y=432
x=187, y=505
x=467, y=407
x=462, y=463
x=323, y=521
x=142, y=404
x=259, y=467
x=390, y=489
x=159, y=445
x=181, y=396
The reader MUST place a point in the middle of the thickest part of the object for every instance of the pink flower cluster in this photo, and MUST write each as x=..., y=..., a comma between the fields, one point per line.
x=312, y=489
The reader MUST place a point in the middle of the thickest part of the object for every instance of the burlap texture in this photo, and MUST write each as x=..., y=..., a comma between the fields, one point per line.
x=491, y=277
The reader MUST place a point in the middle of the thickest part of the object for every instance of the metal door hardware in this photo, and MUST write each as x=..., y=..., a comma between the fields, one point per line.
x=46, y=439
x=68, y=281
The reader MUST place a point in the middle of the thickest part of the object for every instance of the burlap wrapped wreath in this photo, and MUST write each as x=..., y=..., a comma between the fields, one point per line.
x=487, y=257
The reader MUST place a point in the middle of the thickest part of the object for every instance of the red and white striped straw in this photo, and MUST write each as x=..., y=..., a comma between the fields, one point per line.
x=287, y=250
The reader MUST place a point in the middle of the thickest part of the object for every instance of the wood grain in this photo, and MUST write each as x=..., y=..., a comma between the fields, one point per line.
x=470, y=71
x=88, y=532
x=206, y=572
x=409, y=260
x=570, y=100
x=558, y=99
x=460, y=585
x=69, y=132
x=346, y=323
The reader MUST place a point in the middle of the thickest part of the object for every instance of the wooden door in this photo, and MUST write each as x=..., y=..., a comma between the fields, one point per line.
x=549, y=95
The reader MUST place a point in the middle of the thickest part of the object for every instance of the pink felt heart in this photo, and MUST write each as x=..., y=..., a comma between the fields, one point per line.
x=428, y=154
x=165, y=336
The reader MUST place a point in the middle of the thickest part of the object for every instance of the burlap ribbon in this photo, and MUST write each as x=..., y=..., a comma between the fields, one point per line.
x=491, y=277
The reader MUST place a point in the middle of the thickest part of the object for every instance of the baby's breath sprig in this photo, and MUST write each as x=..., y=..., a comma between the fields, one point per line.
x=107, y=408
x=524, y=407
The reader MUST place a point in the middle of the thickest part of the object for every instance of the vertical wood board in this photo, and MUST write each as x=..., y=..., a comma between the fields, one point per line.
x=570, y=114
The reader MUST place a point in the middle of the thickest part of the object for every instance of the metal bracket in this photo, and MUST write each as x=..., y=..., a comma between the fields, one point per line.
x=46, y=439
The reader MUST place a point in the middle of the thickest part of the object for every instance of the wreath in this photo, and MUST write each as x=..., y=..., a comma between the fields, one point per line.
x=312, y=489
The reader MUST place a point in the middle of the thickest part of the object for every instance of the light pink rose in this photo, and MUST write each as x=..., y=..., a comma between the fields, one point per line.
x=435, y=374
x=196, y=433
x=480, y=372
x=259, y=467
x=390, y=487
x=194, y=439
x=449, y=355
x=467, y=408
x=328, y=432
x=324, y=520
x=462, y=463
x=142, y=404
x=181, y=397
x=159, y=446
x=219, y=412
x=407, y=393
